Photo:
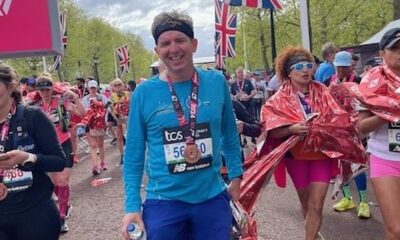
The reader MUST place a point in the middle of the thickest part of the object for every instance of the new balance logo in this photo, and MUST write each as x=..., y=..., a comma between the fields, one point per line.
x=4, y=7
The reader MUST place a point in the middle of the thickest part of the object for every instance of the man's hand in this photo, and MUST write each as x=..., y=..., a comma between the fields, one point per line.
x=234, y=189
x=128, y=219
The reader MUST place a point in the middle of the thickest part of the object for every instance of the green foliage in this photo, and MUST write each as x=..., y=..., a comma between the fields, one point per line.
x=90, y=38
x=344, y=22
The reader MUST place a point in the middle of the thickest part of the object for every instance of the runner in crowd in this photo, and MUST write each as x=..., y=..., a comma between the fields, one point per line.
x=27, y=210
x=326, y=69
x=95, y=105
x=120, y=107
x=378, y=88
x=310, y=170
x=343, y=69
x=184, y=125
x=55, y=104
x=243, y=90
x=260, y=95
x=344, y=62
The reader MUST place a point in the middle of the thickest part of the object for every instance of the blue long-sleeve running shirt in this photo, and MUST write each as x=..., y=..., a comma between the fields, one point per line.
x=153, y=124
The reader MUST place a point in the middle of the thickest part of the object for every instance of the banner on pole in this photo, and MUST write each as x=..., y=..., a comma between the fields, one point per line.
x=29, y=28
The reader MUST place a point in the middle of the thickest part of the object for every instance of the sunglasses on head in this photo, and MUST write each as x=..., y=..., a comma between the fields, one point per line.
x=300, y=66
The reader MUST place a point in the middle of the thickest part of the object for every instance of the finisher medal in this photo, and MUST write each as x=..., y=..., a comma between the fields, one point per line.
x=192, y=153
x=3, y=191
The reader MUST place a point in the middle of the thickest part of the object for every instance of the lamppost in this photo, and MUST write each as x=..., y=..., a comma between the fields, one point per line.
x=96, y=62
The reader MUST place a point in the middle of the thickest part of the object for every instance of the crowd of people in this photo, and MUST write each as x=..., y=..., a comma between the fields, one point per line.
x=183, y=128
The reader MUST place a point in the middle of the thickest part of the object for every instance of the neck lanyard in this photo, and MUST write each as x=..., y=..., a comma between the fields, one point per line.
x=240, y=87
x=4, y=134
x=189, y=133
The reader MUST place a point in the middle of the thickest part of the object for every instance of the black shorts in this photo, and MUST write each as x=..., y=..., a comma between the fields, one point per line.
x=111, y=119
x=67, y=148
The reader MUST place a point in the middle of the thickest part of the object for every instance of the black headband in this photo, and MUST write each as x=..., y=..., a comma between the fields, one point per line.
x=173, y=24
x=44, y=84
x=293, y=60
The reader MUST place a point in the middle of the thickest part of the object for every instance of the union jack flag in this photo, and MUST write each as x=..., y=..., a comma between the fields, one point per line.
x=225, y=30
x=274, y=4
x=123, y=55
x=219, y=61
x=63, y=24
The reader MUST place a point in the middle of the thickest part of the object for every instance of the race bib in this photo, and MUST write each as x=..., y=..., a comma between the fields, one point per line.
x=174, y=149
x=394, y=137
x=17, y=180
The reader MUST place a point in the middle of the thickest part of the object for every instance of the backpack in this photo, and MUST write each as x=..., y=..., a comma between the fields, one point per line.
x=21, y=137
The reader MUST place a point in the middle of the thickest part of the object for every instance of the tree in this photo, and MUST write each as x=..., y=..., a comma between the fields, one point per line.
x=396, y=8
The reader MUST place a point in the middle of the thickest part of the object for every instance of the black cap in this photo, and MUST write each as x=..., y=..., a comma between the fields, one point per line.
x=390, y=38
x=375, y=61
x=45, y=84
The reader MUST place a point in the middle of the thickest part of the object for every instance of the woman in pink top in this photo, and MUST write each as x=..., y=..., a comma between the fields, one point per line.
x=56, y=107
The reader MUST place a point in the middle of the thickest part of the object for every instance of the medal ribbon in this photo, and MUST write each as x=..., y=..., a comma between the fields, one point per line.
x=4, y=134
x=188, y=133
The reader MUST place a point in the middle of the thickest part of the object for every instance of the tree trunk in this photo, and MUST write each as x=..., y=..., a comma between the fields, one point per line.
x=396, y=9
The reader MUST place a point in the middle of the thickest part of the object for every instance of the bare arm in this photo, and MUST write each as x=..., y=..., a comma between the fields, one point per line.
x=368, y=122
x=282, y=132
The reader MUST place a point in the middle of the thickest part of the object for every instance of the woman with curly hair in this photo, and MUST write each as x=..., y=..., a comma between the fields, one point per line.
x=303, y=110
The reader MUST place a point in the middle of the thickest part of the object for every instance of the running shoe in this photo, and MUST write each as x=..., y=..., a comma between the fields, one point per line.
x=363, y=210
x=69, y=209
x=344, y=205
x=95, y=172
x=64, y=226
x=114, y=141
x=103, y=166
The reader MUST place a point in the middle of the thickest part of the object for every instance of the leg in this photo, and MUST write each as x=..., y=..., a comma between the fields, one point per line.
x=74, y=143
x=387, y=190
x=317, y=194
x=216, y=211
x=100, y=147
x=298, y=172
x=166, y=220
x=93, y=153
x=319, y=176
x=41, y=222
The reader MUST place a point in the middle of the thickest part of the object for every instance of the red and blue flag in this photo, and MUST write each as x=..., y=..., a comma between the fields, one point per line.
x=225, y=30
x=274, y=4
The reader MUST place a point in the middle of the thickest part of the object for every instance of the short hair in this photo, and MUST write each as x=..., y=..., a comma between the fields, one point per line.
x=284, y=57
x=80, y=79
x=172, y=15
x=327, y=49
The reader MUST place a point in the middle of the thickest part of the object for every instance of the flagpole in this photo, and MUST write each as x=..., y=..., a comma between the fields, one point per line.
x=244, y=47
x=273, y=45
x=304, y=24
x=115, y=63
x=44, y=64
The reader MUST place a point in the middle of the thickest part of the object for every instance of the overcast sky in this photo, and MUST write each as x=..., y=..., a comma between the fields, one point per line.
x=136, y=16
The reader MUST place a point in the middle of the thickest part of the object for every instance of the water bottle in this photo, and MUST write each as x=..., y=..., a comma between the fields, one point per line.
x=135, y=233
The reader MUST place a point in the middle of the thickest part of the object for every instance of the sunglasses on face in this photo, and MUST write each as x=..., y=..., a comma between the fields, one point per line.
x=117, y=85
x=301, y=66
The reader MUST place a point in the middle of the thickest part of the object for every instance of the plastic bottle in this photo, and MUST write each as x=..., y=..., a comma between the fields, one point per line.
x=135, y=233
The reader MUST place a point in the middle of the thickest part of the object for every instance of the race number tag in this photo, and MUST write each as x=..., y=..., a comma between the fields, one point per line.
x=174, y=149
x=17, y=180
x=394, y=137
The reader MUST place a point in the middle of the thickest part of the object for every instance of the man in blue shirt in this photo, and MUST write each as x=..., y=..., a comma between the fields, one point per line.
x=326, y=69
x=179, y=123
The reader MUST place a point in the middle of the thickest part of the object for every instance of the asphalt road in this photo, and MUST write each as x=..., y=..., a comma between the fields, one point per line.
x=97, y=211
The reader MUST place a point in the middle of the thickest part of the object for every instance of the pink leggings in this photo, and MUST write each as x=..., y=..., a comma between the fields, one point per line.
x=304, y=172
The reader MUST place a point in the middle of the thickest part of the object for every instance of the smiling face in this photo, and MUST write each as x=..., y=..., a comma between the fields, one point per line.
x=175, y=49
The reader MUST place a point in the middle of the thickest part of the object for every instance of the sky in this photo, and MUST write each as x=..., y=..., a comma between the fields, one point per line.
x=136, y=16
